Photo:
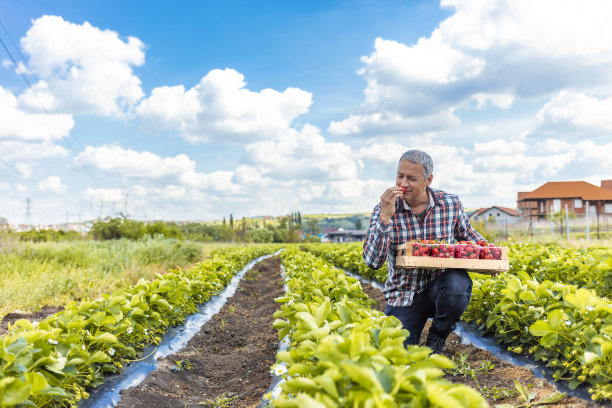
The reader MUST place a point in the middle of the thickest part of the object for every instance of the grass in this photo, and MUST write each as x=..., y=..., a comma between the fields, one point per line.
x=33, y=275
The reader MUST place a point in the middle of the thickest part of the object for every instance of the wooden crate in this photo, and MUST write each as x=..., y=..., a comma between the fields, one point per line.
x=485, y=266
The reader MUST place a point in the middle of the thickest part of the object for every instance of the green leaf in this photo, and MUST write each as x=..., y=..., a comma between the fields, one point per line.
x=323, y=311
x=14, y=391
x=541, y=328
x=37, y=381
x=589, y=357
x=555, y=318
x=364, y=376
x=99, y=357
x=106, y=338
x=308, y=320
x=328, y=384
x=527, y=296
x=558, y=396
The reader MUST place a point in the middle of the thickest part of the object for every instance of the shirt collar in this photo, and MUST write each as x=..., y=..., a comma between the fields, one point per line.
x=432, y=201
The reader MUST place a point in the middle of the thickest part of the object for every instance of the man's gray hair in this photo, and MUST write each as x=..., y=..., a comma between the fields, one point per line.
x=419, y=157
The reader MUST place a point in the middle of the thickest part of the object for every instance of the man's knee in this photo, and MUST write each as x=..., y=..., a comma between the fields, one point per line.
x=456, y=281
x=452, y=304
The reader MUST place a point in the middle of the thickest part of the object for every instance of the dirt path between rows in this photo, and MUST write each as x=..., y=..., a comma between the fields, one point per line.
x=228, y=361
x=498, y=379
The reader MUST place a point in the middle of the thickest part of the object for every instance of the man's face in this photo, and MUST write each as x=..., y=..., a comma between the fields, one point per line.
x=410, y=176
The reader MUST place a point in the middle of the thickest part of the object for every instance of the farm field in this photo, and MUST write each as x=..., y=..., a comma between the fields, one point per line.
x=329, y=315
x=52, y=274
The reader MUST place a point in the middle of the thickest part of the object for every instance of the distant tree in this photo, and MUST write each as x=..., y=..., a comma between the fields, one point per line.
x=232, y=220
x=260, y=235
x=224, y=220
x=168, y=230
x=284, y=223
x=358, y=225
x=299, y=218
x=117, y=228
x=313, y=225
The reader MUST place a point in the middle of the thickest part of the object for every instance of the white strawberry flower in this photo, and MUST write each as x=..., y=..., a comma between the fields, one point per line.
x=590, y=308
x=111, y=351
x=279, y=369
x=51, y=341
x=130, y=330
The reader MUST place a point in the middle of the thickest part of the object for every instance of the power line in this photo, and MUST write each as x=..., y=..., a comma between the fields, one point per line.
x=22, y=74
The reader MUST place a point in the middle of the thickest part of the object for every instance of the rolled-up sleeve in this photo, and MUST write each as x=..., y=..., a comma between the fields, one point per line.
x=376, y=242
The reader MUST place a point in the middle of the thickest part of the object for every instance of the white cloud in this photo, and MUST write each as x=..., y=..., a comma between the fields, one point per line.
x=500, y=100
x=25, y=169
x=82, y=69
x=576, y=110
x=392, y=123
x=131, y=163
x=302, y=155
x=220, y=107
x=154, y=169
x=494, y=53
x=52, y=184
x=16, y=124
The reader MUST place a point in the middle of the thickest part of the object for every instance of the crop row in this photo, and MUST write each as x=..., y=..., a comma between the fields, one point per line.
x=344, y=353
x=347, y=256
x=53, y=362
x=590, y=267
x=568, y=328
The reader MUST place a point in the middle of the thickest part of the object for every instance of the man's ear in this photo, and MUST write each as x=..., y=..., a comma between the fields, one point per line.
x=429, y=179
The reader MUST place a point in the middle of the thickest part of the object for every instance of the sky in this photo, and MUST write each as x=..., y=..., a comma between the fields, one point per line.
x=195, y=110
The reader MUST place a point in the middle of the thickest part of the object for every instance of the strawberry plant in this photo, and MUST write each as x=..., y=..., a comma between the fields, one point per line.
x=54, y=362
x=344, y=353
x=537, y=309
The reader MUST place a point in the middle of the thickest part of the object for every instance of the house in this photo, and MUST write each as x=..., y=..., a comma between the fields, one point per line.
x=501, y=215
x=342, y=235
x=571, y=195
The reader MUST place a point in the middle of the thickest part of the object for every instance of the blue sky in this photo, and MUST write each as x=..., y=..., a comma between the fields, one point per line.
x=195, y=110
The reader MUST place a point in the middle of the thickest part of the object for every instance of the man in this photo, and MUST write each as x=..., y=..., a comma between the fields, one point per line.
x=411, y=210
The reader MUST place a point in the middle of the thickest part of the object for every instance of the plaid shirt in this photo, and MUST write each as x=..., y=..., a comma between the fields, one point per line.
x=445, y=220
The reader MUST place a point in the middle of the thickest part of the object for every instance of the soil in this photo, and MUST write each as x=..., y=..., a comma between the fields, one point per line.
x=228, y=361
x=15, y=315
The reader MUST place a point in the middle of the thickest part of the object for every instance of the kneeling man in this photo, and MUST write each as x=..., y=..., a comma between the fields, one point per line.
x=411, y=210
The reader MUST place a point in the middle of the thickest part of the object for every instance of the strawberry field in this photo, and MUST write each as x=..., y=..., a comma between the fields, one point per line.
x=553, y=307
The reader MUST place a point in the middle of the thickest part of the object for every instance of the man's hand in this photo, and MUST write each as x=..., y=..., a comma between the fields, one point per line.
x=387, y=203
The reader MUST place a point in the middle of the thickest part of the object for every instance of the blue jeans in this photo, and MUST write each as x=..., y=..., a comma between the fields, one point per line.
x=445, y=299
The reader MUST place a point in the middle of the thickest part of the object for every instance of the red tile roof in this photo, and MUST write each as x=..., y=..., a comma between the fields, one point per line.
x=510, y=211
x=479, y=211
x=607, y=184
x=569, y=189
